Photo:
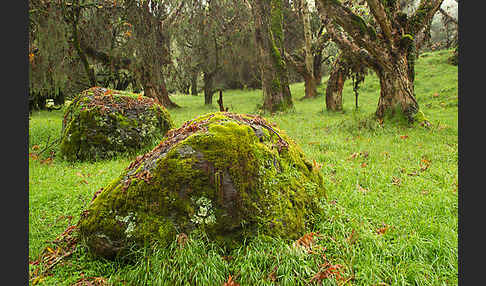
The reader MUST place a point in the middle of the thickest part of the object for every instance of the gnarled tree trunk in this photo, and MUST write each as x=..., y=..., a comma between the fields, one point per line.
x=396, y=90
x=335, y=84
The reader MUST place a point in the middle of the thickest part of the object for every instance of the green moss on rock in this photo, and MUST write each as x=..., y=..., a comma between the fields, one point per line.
x=100, y=123
x=228, y=175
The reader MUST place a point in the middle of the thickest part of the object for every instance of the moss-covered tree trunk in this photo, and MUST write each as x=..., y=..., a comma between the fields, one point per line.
x=396, y=90
x=335, y=84
x=310, y=80
x=269, y=38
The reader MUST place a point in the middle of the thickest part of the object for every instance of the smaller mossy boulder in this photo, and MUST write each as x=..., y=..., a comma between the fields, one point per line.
x=229, y=176
x=100, y=123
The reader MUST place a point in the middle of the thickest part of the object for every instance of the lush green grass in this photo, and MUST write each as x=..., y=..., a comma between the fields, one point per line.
x=373, y=179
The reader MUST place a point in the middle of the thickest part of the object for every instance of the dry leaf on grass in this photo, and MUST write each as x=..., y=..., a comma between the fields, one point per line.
x=424, y=164
x=47, y=161
x=230, y=282
x=273, y=275
x=328, y=270
x=383, y=229
x=317, y=166
x=354, y=155
x=65, y=246
x=306, y=241
x=352, y=237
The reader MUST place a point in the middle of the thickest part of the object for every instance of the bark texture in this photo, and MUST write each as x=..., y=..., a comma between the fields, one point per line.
x=335, y=84
x=208, y=79
x=269, y=38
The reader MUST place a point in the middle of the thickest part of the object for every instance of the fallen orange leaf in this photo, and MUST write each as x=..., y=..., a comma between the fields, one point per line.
x=230, y=282
x=47, y=161
x=306, y=241
x=352, y=237
x=354, y=155
x=382, y=230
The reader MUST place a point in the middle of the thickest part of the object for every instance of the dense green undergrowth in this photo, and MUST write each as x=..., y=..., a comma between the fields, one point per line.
x=390, y=218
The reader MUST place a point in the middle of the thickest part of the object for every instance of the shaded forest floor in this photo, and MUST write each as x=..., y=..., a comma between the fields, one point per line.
x=392, y=193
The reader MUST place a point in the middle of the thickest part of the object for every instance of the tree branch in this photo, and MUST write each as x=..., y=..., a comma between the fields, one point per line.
x=106, y=59
x=352, y=50
x=351, y=23
x=448, y=16
x=294, y=61
x=381, y=17
x=423, y=15
x=172, y=17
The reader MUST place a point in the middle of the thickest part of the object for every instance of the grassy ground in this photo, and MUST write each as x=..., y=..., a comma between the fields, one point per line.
x=391, y=216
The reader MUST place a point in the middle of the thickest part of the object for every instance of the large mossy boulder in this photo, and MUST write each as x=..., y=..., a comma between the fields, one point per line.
x=100, y=123
x=227, y=175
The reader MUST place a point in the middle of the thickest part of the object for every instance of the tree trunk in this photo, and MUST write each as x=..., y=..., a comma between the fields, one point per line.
x=317, y=67
x=269, y=38
x=163, y=96
x=76, y=43
x=310, y=81
x=310, y=86
x=158, y=93
x=194, y=83
x=335, y=84
x=397, y=91
x=208, y=88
